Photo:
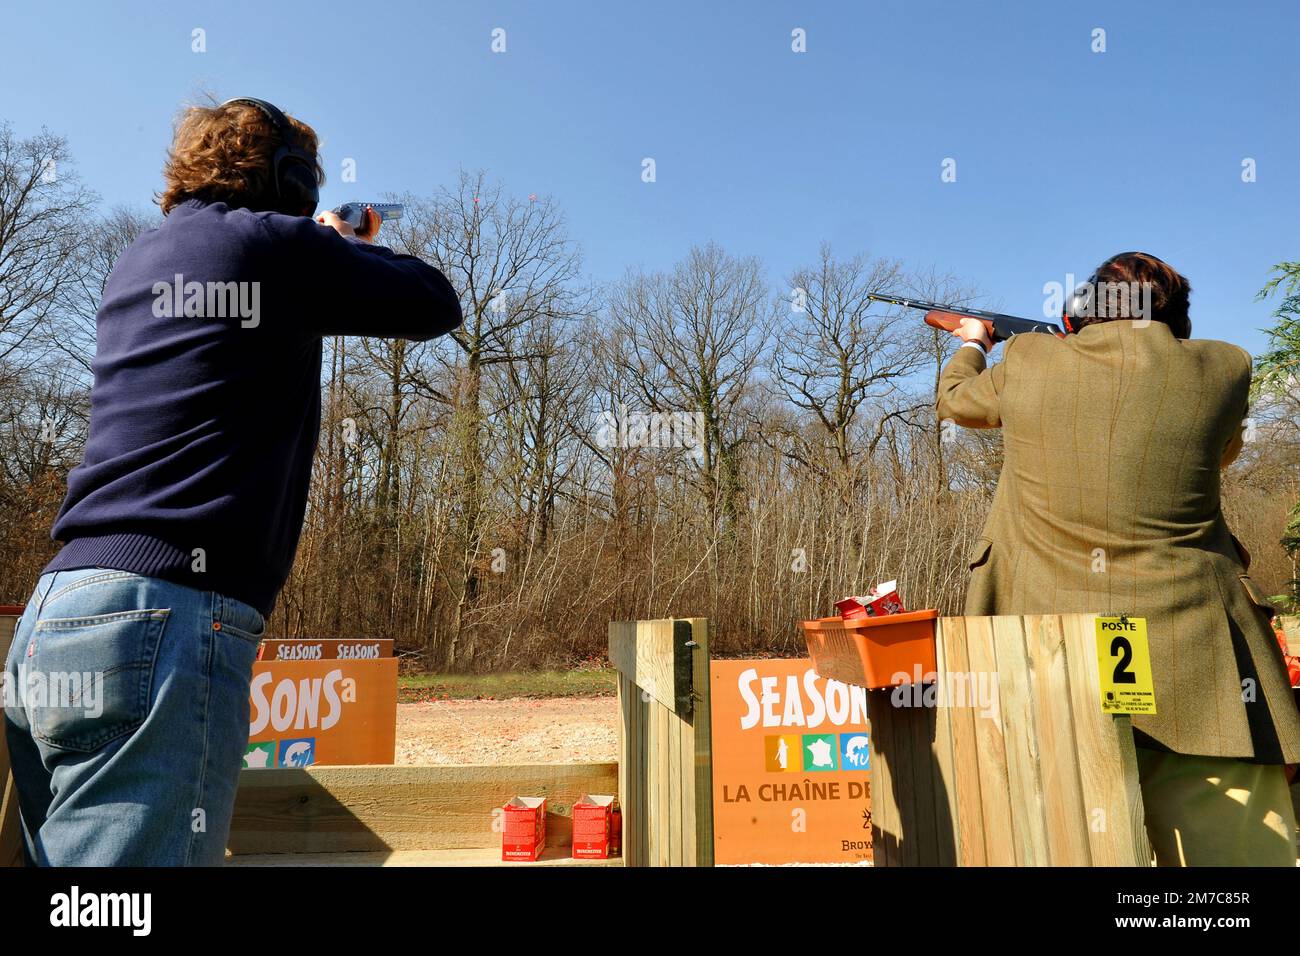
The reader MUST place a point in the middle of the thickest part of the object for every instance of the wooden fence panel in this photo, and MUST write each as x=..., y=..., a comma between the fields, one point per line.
x=994, y=822
x=1064, y=813
x=966, y=799
x=665, y=755
x=1020, y=737
x=1017, y=765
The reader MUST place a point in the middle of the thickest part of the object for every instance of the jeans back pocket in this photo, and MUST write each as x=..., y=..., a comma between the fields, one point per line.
x=87, y=680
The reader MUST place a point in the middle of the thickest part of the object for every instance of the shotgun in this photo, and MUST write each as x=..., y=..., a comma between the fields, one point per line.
x=948, y=317
x=354, y=213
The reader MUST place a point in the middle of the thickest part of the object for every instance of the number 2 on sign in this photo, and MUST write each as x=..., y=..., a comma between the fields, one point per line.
x=1124, y=666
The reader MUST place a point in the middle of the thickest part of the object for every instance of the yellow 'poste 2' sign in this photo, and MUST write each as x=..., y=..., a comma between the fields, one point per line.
x=1124, y=666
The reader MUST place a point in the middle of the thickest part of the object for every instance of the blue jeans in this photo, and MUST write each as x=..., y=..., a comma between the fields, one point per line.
x=126, y=701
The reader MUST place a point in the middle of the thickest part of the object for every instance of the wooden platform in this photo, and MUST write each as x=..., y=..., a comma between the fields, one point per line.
x=486, y=856
x=402, y=816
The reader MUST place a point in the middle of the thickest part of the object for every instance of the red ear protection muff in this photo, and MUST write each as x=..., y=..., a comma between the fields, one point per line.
x=293, y=170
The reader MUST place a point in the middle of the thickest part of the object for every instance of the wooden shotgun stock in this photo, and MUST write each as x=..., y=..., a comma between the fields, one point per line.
x=951, y=322
x=1000, y=328
x=948, y=318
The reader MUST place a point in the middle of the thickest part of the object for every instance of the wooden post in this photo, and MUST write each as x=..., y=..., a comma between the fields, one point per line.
x=11, y=835
x=665, y=768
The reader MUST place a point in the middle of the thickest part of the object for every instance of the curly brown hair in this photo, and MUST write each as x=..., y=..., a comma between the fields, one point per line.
x=225, y=154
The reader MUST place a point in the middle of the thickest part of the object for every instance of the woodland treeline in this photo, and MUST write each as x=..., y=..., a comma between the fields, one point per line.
x=466, y=501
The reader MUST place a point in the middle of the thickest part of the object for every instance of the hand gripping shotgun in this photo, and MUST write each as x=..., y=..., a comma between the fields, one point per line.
x=354, y=212
x=948, y=317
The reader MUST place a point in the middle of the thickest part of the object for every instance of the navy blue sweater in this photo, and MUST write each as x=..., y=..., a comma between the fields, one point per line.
x=205, y=410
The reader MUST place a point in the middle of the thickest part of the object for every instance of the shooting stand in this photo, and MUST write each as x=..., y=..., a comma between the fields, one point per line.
x=1043, y=779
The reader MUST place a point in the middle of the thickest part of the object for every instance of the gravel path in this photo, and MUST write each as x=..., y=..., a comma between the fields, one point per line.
x=520, y=730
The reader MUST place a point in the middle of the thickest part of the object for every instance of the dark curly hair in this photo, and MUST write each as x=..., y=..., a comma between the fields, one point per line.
x=1170, y=292
x=225, y=154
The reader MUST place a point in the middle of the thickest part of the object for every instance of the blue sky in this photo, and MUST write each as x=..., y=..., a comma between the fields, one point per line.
x=1063, y=155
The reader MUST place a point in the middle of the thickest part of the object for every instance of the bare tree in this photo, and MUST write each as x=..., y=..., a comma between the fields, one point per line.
x=934, y=286
x=844, y=359
x=72, y=327
x=514, y=265
x=42, y=206
x=693, y=339
x=42, y=405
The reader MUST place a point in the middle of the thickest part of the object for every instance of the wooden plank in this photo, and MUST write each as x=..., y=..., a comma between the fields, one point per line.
x=896, y=752
x=676, y=735
x=1106, y=758
x=1064, y=816
x=945, y=783
x=645, y=704
x=653, y=654
x=374, y=808
x=1020, y=736
x=1137, y=845
x=653, y=814
x=649, y=817
x=475, y=856
x=667, y=821
x=635, y=759
x=11, y=831
x=644, y=763
x=908, y=767
x=921, y=837
x=885, y=832
x=990, y=747
x=627, y=704
x=699, y=836
x=969, y=815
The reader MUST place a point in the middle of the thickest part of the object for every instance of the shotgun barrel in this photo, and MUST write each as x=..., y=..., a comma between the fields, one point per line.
x=948, y=317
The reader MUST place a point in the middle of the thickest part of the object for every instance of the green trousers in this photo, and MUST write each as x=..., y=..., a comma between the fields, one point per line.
x=1216, y=811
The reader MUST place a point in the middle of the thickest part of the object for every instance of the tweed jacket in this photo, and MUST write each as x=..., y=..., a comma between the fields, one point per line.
x=1108, y=502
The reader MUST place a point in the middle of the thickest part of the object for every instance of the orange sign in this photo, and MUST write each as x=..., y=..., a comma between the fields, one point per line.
x=791, y=765
x=329, y=649
x=322, y=712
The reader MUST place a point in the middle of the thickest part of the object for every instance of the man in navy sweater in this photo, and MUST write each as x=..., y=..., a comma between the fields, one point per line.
x=180, y=525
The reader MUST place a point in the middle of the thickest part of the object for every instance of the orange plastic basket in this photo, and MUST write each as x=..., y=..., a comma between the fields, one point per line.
x=882, y=648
